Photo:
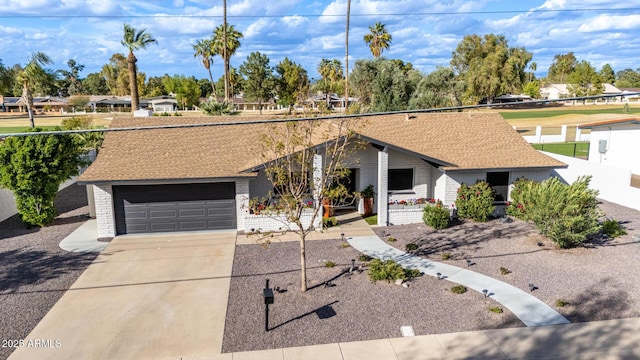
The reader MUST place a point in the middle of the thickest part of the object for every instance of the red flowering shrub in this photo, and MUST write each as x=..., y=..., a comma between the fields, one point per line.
x=475, y=201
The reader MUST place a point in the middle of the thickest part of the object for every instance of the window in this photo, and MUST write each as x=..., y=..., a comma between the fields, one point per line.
x=499, y=181
x=400, y=179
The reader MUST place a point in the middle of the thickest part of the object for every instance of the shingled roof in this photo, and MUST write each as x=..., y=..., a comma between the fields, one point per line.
x=455, y=141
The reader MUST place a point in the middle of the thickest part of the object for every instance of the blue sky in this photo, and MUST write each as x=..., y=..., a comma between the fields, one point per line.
x=425, y=32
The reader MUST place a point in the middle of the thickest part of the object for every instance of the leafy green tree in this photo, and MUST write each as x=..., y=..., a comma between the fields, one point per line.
x=88, y=140
x=291, y=80
x=203, y=50
x=71, y=84
x=32, y=73
x=438, y=89
x=116, y=76
x=205, y=88
x=135, y=40
x=189, y=93
x=33, y=167
x=95, y=84
x=235, y=83
x=489, y=67
x=384, y=85
x=6, y=80
x=154, y=87
x=226, y=41
x=607, y=75
x=532, y=88
x=259, y=79
x=561, y=67
x=378, y=39
x=584, y=80
x=628, y=78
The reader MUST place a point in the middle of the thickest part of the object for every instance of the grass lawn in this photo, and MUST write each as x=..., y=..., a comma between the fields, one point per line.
x=533, y=114
x=574, y=149
x=372, y=220
x=19, y=129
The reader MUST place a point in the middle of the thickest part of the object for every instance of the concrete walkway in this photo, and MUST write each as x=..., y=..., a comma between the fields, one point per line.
x=84, y=239
x=529, y=309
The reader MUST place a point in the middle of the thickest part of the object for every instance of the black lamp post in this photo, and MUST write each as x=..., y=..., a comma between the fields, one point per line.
x=268, y=299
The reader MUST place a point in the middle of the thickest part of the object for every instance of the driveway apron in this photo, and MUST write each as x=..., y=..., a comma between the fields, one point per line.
x=155, y=296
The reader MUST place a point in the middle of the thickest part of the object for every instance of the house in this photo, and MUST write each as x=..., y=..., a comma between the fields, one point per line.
x=560, y=91
x=164, y=103
x=41, y=104
x=201, y=178
x=615, y=143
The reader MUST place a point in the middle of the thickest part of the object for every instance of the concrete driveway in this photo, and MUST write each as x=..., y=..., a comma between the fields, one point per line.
x=156, y=296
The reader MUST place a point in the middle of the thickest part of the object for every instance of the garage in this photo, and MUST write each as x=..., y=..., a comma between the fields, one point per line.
x=174, y=207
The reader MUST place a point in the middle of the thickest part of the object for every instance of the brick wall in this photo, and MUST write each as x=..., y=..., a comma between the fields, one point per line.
x=242, y=202
x=105, y=216
x=273, y=222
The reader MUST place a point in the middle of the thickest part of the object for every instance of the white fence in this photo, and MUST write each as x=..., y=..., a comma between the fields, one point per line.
x=538, y=138
x=613, y=183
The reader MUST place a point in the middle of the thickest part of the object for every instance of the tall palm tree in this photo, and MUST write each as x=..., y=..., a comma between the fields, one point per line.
x=204, y=50
x=135, y=40
x=33, y=73
x=533, y=67
x=378, y=39
x=232, y=37
x=346, y=46
x=225, y=50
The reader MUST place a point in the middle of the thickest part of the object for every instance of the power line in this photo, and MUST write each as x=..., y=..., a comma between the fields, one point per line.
x=332, y=117
x=427, y=13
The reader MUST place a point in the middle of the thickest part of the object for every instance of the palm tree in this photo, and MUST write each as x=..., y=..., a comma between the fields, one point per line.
x=331, y=71
x=232, y=37
x=346, y=46
x=33, y=73
x=135, y=40
x=204, y=50
x=378, y=39
x=533, y=67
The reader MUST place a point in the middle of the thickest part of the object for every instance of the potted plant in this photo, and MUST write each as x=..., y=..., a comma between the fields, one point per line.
x=367, y=200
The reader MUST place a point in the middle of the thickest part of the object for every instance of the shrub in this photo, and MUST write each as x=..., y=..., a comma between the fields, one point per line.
x=328, y=222
x=566, y=214
x=436, y=216
x=389, y=270
x=446, y=256
x=504, y=271
x=329, y=264
x=561, y=303
x=458, y=289
x=391, y=239
x=497, y=310
x=612, y=228
x=475, y=202
x=411, y=247
x=213, y=107
x=364, y=258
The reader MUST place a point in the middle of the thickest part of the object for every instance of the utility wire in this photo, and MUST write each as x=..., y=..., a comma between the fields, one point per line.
x=424, y=13
x=332, y=117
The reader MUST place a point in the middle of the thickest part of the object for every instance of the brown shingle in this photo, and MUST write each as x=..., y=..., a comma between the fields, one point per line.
x=461, y=141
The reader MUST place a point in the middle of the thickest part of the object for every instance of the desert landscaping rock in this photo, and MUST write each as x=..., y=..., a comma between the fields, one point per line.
x=598, y=281
x=34, y=271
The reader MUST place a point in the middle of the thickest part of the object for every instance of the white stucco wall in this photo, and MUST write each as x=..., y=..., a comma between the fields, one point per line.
x=623, y=146
x=242, y=202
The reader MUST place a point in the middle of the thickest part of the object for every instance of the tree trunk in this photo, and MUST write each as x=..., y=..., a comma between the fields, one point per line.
x=346, y=78
x=224, y=53
x=213, y=85
x=26, y=94
x=303, y=263
x=260, y=106
x=133, y=81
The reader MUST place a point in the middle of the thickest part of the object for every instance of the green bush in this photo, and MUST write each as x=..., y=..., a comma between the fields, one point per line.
x=459, y=289
x=613, y=228
x=364, y=258
x=566, y=214
x=561, y=303
x=411, y=247
x=497, y=310
x=476, y=201
x=328, y=222
x=504, y=271
x=390, y=271
x=392, y=239
x=446, y=256
x=329, y=264
x=436, y=216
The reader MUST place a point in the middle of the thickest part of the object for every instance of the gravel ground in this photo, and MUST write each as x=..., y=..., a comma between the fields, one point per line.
x=599, y=281
x=34, y=271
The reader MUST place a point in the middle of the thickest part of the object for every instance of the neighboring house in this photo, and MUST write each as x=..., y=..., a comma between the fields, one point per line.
x=615, y=143
x=110, y=103
x=164, y=103
x=560, y=91
x=41, y=104
x=182, y=179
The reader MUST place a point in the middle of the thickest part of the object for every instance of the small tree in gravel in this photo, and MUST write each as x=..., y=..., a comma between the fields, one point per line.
x=436, y=216
x=288, y=150
x=33, y=167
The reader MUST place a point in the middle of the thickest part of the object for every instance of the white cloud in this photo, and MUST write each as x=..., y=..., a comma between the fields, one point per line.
x=608, y=22
x=257, y=28
x=294, y=21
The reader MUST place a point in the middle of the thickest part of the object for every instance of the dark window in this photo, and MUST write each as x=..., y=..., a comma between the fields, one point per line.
x=400, y=179
x=499, y=181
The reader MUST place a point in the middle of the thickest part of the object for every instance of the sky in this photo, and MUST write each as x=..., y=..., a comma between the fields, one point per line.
x=425, y=32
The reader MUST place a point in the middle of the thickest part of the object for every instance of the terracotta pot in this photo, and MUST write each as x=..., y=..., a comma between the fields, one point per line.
x=326, y=206
x=368, y=206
